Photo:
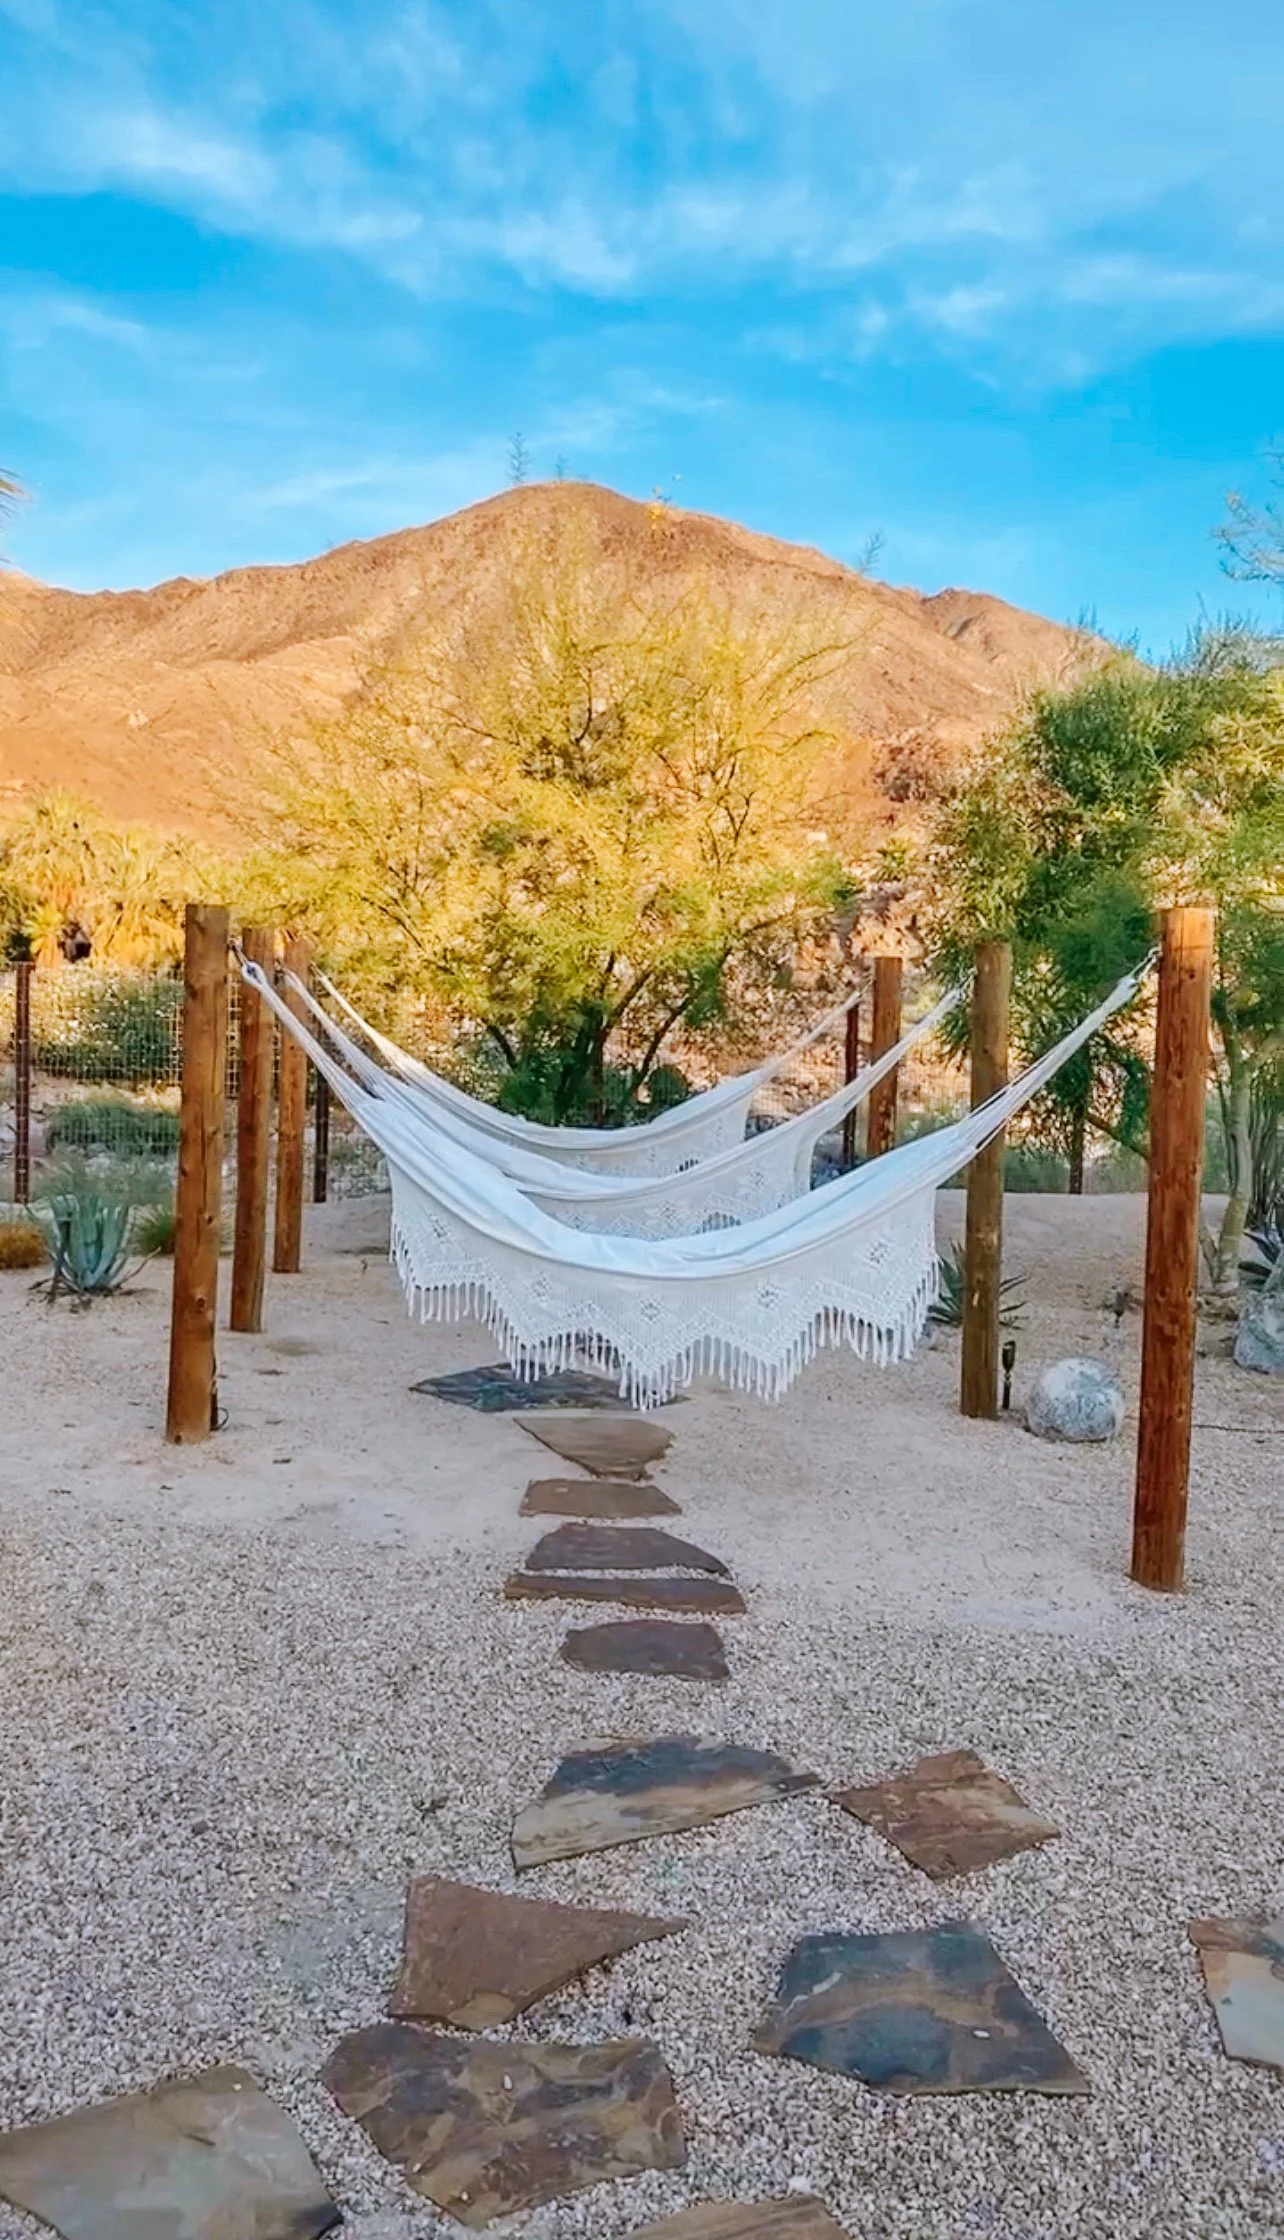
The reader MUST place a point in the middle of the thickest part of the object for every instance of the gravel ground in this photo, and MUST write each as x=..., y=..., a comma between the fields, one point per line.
x=245, y=1691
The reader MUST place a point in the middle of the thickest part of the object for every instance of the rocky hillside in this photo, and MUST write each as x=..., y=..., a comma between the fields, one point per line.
x=157, y=704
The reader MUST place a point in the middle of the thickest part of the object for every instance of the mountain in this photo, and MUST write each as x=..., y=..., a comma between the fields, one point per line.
x=157, y=704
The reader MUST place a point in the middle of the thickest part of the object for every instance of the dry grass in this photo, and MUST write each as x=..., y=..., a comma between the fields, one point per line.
x=21, y=1245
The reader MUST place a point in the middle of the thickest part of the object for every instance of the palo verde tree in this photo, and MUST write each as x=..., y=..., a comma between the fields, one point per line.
x=1133, y=788
x=575, y=817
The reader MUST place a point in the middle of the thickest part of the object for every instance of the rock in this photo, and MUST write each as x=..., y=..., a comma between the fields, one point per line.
x=1259, y=1340
x=608, y=1446
x=496, y=1389
x=606, y=1547
x=208, y=2154
x=478, y=1957
x=1243, y=1963
x=619, y=1792
x=485, y=2129
x=914, y=2010
x=596, y=1497
x=654, y=1645
x=1076, y=1399
x=704, y=1597
x=949, y=1814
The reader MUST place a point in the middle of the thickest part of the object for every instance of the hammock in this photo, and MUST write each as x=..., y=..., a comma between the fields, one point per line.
x=696, y=1129
x=853, y=1262
x=749, y=1178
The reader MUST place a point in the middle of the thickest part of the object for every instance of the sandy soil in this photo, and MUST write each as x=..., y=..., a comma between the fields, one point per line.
x=250, y=1685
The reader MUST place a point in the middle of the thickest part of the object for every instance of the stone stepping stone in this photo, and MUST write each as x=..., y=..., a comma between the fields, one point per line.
x=207, y=2154
x=1243, y=1965
x=607, y=1446
x=801, y=2217
x=598, y=1547
x=610, y=1793
x=650, y=1645
x=596, y=1497
x=706, y=1598
x=485, y=2129
x=949, y=1815
x=916, y=2010
x=498, y=1390
x=477, y=1957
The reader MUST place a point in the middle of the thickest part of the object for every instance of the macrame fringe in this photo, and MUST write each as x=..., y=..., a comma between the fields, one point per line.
x=645, y=1388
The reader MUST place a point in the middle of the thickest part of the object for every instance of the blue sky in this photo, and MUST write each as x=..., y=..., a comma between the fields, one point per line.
x=999, y=279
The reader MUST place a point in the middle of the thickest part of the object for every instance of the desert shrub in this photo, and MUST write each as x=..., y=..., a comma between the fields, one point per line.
x=1034, y=1167
x=106, y=1026
x=21, y=1243
x=154, y=1228
x=114, y=1124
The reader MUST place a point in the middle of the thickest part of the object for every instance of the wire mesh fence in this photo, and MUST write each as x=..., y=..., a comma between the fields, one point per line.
x=102, y=1066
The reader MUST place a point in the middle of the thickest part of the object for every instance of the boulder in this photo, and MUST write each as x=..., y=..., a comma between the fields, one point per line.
x=1076, y=1399
x=1259, y=1340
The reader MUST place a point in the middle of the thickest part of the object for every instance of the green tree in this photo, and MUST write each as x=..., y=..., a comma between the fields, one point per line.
x=576, y=818
x=1133, y=788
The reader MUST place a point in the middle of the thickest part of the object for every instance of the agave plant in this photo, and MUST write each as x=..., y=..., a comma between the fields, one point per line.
x=89, y=1223
x=1267, y=1256
x=946, y=1310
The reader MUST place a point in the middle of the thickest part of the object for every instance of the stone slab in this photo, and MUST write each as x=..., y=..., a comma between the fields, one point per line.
x=607, y=1446
x=704, y=1598
x=498, y=1390
x=596, y=1497
x=949, y=1815
x=486, y=2129
x=605, y=1547
x=476, y=1958
x=914, y=2011
x=800, y=2217
x=650, y=1645
x=207, y=2155
x=1243, y=1964
x=614, y=1792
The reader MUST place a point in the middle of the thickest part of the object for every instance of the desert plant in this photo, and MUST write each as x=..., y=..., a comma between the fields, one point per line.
x=21, y=1243
x=1257, y=1268
x=946, y=1311
x=90, y=1237
x=154, y=1229
x=115, y=1124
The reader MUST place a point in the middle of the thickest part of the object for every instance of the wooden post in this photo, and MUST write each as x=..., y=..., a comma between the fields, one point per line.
x=1172, y=1250
x=321, y=1143
x=291, y=1123
x=192, y=1409
x=851, y=1067
x=880, y=1127
x=22, y=1084
x=253, y=1141
x=983, y=1251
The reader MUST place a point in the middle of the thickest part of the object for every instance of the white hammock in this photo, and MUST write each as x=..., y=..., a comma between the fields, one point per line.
x=734, y=1185
x=695, y=1129
x=853, y=1262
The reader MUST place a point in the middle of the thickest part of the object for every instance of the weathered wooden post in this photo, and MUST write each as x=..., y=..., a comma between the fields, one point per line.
x=851, y=1067
x=321, y=1142
x=880, y=1126
x=253, y=1140
x=1172, y=1249
x=22, y=1083
x=983, y=1251
x=291, y=1124
x=192, y=1406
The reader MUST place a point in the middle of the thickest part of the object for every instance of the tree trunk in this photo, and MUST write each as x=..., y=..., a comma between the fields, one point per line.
x=1239, y=1144
x=1078, y=1148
